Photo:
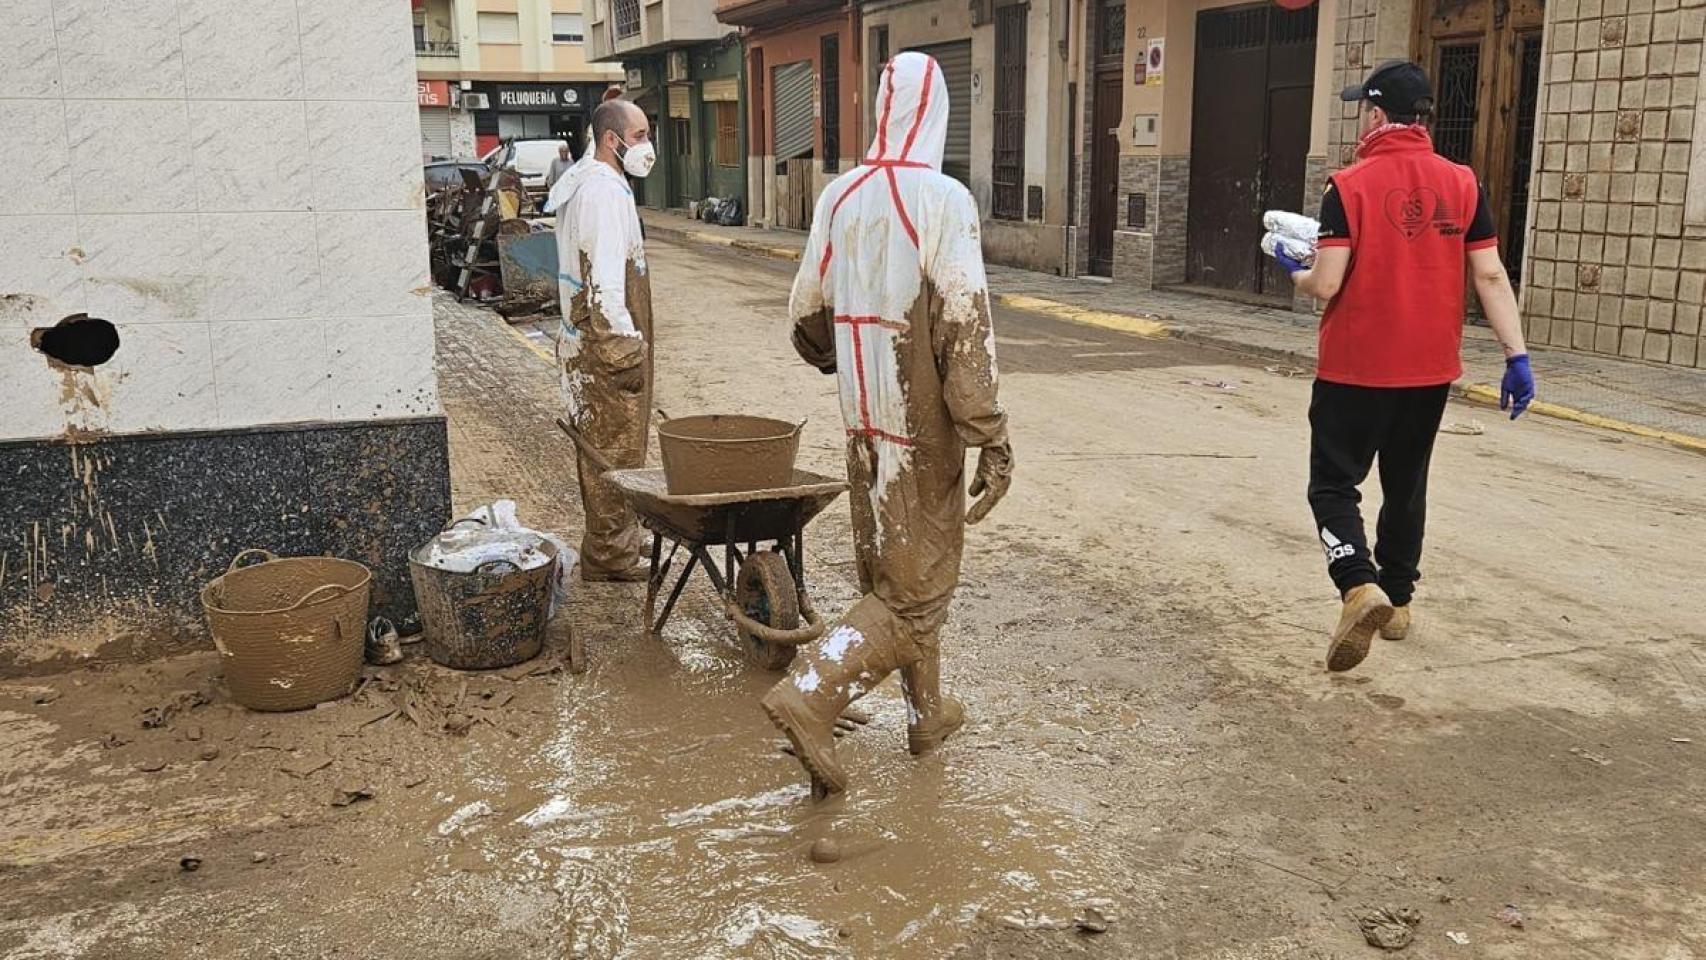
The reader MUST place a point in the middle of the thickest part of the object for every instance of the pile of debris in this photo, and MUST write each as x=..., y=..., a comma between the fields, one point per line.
x=489, y=242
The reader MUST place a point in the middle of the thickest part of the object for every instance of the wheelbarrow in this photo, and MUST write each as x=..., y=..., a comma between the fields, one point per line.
x=762, y=535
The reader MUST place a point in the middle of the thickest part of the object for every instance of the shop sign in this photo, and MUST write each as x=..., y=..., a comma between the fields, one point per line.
x=432, y=93
x=537, y=97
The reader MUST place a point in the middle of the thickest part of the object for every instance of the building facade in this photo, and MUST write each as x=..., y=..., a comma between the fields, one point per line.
x=491, y=70
x=684, y=69
x=1578, y=116
x=228, y=344
x=803, y=101
x=1011, y=97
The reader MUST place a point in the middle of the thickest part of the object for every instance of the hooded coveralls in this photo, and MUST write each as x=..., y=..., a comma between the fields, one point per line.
x=606, y=300
x=891, y=297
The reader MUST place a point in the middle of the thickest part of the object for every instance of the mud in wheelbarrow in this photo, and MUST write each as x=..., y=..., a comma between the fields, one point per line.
x=761, y=579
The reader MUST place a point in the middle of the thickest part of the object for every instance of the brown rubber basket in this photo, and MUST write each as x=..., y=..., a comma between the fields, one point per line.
x=289, y=630
x=727, y=453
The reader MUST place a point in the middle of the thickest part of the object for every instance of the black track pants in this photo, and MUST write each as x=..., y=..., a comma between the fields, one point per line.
x=1348, y=428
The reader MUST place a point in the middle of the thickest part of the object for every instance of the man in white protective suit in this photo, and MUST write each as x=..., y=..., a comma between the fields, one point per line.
x=604, y=344
x=891, y=298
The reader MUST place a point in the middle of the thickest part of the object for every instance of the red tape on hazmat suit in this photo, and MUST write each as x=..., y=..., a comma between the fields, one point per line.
x=891, y=297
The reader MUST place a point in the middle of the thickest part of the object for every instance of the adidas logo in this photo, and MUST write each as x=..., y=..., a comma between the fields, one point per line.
x=1335, y=548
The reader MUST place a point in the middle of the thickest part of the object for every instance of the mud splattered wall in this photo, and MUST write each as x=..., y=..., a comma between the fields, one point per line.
x=213, y=222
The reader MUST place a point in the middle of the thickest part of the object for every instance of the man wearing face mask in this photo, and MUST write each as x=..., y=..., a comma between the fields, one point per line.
x=604, y=344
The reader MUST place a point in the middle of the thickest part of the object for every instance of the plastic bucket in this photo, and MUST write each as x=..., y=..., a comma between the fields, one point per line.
x=494, y=616
x=727, y=453
x=289, y=630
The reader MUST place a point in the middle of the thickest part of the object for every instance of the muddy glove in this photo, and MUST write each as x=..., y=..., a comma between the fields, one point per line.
x=994, y=475
x=631, y=380
x=1517, y=390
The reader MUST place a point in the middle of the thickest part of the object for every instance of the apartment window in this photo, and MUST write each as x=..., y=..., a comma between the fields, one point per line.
x=726, y=116
x=626, y=19
x=500, y=28
x=567, y=28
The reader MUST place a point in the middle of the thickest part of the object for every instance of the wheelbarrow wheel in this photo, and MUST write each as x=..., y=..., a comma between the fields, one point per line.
x=764, y=591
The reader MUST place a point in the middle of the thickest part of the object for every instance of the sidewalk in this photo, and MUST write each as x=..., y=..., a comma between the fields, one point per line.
x=1645, y=399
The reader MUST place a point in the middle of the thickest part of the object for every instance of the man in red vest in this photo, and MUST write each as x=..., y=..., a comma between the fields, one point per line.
x=1396, y=229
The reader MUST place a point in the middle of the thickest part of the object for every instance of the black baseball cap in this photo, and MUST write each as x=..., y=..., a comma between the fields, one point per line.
x=1399, y=87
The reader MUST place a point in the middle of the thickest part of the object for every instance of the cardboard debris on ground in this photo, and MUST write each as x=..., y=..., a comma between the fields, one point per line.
x=351, y=793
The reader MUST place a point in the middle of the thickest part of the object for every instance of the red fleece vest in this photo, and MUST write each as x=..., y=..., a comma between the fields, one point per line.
x=1397, y=320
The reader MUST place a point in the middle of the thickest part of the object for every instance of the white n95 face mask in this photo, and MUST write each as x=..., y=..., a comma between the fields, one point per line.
x=638, y=159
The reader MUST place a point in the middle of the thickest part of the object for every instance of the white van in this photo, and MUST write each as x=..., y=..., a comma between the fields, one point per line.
x=532, y=160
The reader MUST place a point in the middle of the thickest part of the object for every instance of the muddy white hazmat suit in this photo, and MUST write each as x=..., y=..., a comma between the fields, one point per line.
x=604, y=355
x=891, y=298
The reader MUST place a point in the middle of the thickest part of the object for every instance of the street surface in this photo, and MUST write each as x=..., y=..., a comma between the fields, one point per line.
x=1139, y=641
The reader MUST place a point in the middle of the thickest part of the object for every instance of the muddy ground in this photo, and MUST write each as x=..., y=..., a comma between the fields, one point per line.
x=1139, y=641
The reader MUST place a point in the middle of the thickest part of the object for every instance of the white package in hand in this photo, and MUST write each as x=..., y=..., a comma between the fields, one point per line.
x=1293, y=225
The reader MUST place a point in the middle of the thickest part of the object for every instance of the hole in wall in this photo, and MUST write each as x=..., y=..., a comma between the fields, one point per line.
x=77, y=341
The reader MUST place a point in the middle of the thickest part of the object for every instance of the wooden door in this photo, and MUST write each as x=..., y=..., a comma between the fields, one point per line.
x=1483, y=57
x=1250, y=119
x=1109, y=109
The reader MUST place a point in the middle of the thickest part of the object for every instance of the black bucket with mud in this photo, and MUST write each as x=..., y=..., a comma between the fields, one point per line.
x=79, y=341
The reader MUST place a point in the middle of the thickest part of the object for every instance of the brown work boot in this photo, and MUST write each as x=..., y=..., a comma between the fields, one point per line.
x=1398, y=627
x=638, y=573
x=851, y=659
x=1366, y=610
x=931, y=717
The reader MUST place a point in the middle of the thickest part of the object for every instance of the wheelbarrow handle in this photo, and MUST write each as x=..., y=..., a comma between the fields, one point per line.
x=812, y=630
x=598, y=459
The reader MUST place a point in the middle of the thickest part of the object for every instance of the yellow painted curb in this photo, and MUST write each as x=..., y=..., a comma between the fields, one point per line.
x=527, y=342
x=1490, y=395
x=1123, y=322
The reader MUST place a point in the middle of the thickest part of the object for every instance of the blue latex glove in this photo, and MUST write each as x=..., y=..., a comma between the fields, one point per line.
x=1289, y=265
x=1517, y=390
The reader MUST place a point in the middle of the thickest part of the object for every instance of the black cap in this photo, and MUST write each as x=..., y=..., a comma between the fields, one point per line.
x=1398, y=87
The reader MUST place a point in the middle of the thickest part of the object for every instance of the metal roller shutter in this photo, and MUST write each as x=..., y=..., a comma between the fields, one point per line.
x=435, y=131
x=955, y=61
x=791, y=105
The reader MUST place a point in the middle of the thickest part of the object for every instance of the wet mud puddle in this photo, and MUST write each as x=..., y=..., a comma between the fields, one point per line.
x=660, y=820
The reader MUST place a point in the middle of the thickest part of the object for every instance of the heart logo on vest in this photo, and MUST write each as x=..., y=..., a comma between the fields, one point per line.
x=1411, y=210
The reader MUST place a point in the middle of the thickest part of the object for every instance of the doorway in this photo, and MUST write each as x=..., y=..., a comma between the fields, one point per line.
x=1484, y=59
x=1107, y=113
x=1250, y=114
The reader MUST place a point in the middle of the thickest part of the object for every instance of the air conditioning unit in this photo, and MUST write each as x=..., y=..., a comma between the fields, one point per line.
x=476, y=101
x=677, y=67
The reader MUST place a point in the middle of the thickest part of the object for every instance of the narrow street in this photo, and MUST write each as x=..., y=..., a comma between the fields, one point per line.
x=1139, y=641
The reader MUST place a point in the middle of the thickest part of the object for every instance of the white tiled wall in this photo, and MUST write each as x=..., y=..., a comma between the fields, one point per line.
x=236, y=185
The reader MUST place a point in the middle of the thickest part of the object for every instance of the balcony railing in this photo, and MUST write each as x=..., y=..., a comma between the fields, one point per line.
x=435, y=48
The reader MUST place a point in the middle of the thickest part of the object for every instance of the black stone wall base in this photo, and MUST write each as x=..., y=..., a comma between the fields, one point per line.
x=106, y=543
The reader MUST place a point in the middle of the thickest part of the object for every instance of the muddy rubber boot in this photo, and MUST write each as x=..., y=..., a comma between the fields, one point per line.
x=639, y=573
x=1398, y=627
x=851, y=659
x=1366, y=610
x=931, y=717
